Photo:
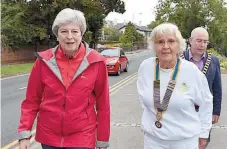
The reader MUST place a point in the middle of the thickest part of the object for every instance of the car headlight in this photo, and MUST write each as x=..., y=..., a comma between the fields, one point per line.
x=112, y=62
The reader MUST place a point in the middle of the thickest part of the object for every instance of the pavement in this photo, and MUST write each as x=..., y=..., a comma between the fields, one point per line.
x=135, y=51
x=126, y=115
x=219, y=131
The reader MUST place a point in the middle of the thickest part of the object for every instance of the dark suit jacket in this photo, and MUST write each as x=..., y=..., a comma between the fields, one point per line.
x=213, y=76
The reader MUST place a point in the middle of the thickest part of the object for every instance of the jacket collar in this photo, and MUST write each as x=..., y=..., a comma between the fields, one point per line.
x=60, y=53
x=49, y=58
x=188, y=55
x=191, y=57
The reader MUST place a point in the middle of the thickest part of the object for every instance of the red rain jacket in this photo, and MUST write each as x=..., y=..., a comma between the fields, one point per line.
x=68, y=117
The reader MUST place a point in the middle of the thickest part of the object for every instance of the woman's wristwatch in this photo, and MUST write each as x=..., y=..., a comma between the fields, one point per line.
x=24, y=139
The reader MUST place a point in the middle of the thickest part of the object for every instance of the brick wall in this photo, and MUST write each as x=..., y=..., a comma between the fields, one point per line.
x=20, y=56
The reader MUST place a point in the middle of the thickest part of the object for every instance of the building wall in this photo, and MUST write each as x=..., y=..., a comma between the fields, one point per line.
x=20, y=56
x=122, y=30
x=141, y=32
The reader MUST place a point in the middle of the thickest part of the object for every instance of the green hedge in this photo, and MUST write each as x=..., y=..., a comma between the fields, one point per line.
x=222, y=59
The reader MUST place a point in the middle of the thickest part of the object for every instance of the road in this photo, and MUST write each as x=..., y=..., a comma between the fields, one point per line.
x=13, y=92
x=126, y=112
x=125, y=116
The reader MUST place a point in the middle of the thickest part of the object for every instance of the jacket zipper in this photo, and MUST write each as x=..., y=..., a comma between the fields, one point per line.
x=68, y=71
x=62, y=123
x=64, y=105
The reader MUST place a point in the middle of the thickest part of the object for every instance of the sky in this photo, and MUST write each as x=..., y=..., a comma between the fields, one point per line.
x=140, y=12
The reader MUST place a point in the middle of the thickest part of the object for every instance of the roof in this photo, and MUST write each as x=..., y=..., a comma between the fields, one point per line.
x=120, y=25
x=141, y=28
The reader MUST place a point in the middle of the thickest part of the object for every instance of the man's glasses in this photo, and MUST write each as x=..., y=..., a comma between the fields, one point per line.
x=200, y=41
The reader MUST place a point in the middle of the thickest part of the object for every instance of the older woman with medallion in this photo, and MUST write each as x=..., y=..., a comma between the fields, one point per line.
x=169, y=88
x=68, y=89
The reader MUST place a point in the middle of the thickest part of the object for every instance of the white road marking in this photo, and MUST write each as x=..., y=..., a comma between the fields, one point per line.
x=15, y=76
x=22, y=88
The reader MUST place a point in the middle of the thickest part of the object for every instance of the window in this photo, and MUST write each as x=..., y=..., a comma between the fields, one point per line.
x=110, y=52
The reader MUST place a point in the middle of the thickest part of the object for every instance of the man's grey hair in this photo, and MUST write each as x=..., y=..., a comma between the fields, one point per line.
x=69, y=15
x=199, y=30
x=167, y=29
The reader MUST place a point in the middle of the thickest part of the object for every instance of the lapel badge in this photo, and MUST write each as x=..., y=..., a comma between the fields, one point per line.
x=184, y=87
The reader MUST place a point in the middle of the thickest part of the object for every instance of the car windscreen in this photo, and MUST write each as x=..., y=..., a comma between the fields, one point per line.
x=110, y=52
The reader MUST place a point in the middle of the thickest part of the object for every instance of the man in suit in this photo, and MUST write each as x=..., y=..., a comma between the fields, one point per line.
x=208, y=64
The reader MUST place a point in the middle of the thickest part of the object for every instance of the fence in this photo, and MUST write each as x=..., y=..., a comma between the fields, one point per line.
x=125, y=47
x=25, y=54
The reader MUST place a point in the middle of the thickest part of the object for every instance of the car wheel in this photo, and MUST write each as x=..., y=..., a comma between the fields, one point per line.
x=126, y=68
x=119, y=71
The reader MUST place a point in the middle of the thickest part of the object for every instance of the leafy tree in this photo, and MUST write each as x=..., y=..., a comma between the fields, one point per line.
x=111, y=33
x=131, y=35
x=29, y=22
x=128, y=36
x=112, y=5
x=96, y=19
x=186, y=14
x=15, y=30
x=95, y=24
x=152, y=25
x=190, y=14
x=139, y=37
x=217, y=26
x=87, y=36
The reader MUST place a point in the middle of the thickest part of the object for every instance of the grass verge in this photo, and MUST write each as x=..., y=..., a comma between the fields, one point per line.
x=15, y=69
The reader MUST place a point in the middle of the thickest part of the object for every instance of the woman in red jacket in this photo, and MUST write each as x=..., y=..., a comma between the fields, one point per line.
x=68, y=89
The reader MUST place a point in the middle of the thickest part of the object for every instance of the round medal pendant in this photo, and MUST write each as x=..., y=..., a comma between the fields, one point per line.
x=158, y=124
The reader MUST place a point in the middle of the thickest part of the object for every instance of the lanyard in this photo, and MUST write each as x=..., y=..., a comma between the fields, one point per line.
x=174, y=74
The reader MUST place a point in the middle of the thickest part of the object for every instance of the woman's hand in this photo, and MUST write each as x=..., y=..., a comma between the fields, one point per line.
x=202, y=143
x=24, y=144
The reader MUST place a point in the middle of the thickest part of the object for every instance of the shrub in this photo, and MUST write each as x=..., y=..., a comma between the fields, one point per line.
x=224, y=64
x=126, y=45
x=222, y=59
x=112, y=45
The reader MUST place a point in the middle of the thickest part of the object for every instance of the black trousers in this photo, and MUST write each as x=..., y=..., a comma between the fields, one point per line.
x=52, y=147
